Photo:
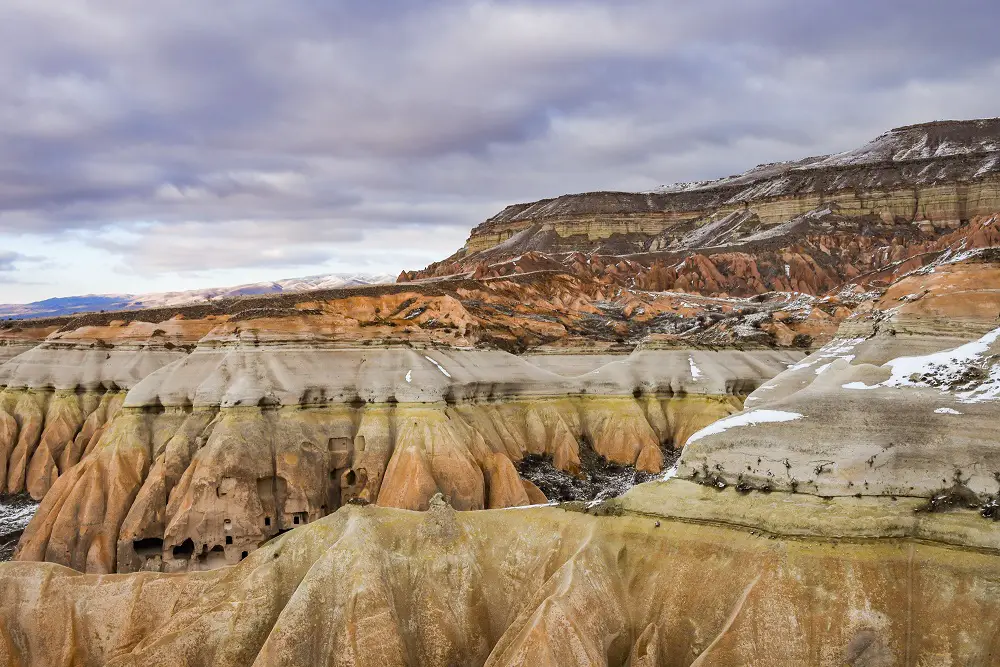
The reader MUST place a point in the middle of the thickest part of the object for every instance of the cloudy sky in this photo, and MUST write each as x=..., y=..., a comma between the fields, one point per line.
x=149, y=146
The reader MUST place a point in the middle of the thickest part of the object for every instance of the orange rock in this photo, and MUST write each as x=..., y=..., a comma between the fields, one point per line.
x=650, y=460
x=30, y=416
x=408, y=483
x=8, y=439
x=505, y=486
x=535, y=495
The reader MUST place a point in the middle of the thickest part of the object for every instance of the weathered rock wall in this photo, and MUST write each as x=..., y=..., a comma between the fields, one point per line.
x=944, y=206
x=223, y=449
x=540, y=586
x=903, y=404
x=929, y=178
x=44, y=433
x=57, y=398
x=847, y=516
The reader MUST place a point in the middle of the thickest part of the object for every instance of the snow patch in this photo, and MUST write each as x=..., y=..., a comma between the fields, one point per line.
x=695, y=371
x=858, y=385
x=835, y=349
x=988, y=391
x=409, y=375
x=947, y=411
x=751, y=418
x=944, y=369
x=17, y=515
x=439, y=366
x=986, y=167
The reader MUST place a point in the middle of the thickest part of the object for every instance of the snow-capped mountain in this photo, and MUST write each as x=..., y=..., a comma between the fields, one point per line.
x=91, y=302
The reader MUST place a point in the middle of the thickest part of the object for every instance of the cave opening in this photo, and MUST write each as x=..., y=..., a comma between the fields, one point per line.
x=148, y=546
x=184, y=550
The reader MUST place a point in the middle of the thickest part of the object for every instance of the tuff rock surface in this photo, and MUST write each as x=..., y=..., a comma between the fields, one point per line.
x=184, y=438
x=825, y=361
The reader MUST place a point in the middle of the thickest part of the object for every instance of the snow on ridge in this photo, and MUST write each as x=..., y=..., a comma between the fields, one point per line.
x=986, y=167
x=751, y=418
x=439, y=366
x=835, y=349
x=307, y=283
x=988, y=391
x=944, y=370
x=94, y=302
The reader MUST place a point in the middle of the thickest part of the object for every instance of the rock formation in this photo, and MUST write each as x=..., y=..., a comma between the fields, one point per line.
x=808, y=226
x=261, y=458
x=184, y=438
x=673, y=573
x=244, y=444
x=807, y=529
x=903, y=403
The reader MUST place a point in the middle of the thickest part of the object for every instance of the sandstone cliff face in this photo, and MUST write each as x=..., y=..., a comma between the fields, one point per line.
x=845, y=566
x=183, y=438
x=62, y=390
x=246, y=444
x=937, y=173
x=809, y=226
x=816, y=253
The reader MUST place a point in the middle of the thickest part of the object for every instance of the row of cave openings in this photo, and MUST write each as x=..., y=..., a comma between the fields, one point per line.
x=345, y=485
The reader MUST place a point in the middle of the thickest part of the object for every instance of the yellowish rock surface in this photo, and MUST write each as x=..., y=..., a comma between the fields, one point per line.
x=542, y=586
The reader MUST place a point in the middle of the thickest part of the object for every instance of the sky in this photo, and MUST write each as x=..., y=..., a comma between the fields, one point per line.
x=154, y=146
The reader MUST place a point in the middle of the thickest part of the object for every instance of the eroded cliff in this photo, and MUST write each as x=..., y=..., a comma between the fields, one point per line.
x=263, y=457
x=183, y=439
x=938, y=175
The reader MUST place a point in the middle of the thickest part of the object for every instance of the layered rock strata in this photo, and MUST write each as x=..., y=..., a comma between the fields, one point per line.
x=816, y=253
x=868, y=559
x=809, y=226
x=937, y=175
x=903, y=403
x=64, y=387
x=183, y=438
x=61, y=390
x=847, y=515
x=241, y=444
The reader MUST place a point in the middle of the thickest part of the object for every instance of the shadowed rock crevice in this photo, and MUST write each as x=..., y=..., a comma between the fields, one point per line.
x=15, y=513
x=598, y=478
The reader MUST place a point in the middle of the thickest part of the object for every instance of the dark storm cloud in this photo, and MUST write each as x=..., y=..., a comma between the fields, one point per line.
x=273, y=133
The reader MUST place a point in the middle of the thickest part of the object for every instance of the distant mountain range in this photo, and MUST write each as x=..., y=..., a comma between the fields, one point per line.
x=70, y=305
